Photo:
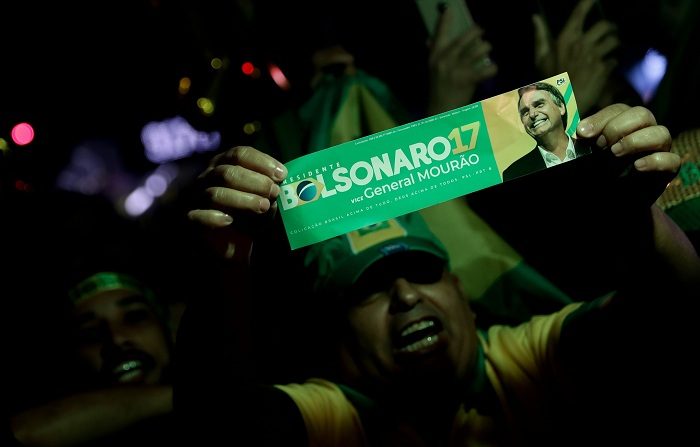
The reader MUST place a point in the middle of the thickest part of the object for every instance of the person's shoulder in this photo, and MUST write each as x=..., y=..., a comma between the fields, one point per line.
x=526, y=164
x=534, y=332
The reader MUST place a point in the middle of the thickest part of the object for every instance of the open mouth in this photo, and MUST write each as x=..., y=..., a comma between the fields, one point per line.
x=129, y=371
x=130, y=367
x=538, y=123
x=419, y=336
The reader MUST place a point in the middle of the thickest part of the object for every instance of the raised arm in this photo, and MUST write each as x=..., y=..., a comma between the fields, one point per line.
x=457, y=65
x=240, y=187
x=633, y=132
x=586, y=54
x=218, y=393
x=89, y=416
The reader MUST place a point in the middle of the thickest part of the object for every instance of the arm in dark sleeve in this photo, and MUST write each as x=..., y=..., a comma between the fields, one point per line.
x=217, y=395
x=626, y=356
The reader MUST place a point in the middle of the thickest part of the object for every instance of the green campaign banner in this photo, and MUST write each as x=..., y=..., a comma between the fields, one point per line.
x=406, y=168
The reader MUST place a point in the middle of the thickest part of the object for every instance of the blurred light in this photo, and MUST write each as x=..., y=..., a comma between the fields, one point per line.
x=22, y=134
x=137, y=202
x=22, y=186
x=646, y=74
x=252, y=127
x=175, y=138
x=216, y=63
x=156, y=185
x=184, y=85
x=167, y=171
x=3, y=145
x=86, y=172
x=278, y=76
x=205, y=105
x=248, y=68
x=95, y=167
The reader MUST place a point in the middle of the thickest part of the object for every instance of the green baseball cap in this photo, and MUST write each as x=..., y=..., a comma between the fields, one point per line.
x=339, y=262
x=101, y=282
x=106, y=281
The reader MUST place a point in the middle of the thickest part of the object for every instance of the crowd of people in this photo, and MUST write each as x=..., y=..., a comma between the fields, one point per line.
x=438, y=330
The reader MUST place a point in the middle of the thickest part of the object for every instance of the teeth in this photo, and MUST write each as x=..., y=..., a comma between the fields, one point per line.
x=420, y=344
x=127, y=366
x=537, y=123
x=415, y=327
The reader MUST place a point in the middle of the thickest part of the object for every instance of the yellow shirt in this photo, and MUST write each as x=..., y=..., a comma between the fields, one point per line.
x=520, y=364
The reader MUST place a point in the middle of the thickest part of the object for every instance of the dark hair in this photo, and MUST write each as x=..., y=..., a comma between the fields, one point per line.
x=554, y=92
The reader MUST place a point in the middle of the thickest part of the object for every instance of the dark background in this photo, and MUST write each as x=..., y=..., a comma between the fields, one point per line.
x=82, y=70
x=99, y=71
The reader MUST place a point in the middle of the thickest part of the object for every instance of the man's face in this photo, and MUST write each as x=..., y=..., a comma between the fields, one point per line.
x=120, y=338
x=416, y=328
x=540, y=114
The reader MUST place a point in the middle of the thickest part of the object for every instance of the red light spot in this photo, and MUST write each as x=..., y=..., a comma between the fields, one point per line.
x=22, y=186
x=22, y=134
x=247, y=68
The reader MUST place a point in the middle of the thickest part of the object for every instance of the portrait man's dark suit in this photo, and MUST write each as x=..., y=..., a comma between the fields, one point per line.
x=533, y=161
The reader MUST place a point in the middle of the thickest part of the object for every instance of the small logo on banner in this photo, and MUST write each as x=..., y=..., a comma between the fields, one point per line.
x=301, y=193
